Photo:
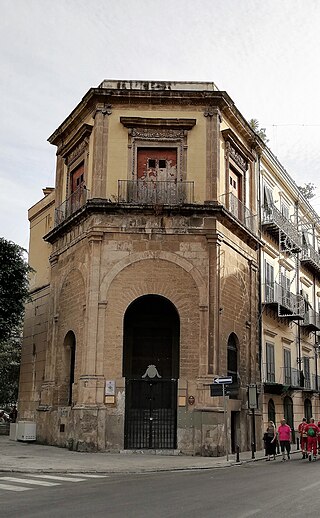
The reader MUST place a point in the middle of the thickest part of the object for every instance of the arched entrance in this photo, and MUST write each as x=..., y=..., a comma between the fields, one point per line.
x=151, y=369
x=288, y=411
x=69, y=359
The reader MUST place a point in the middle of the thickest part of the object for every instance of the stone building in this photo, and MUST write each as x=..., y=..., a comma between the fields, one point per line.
x=290, y=296
x=146, y=284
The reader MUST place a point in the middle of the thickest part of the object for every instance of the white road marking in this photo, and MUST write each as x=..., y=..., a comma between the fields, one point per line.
x=14, y=488
x=27, y=481
x=89, y=475
x=250, y=513
x=56, y=477
x=311, y=486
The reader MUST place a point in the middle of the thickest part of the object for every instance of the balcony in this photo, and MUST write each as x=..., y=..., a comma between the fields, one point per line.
x=310, y=258
x=280, y=228
x=316, y=382
x=75, y=201
x=280, y=299
x=311, y=320
x=292, y=377
x=240, y=212
x=148, y=192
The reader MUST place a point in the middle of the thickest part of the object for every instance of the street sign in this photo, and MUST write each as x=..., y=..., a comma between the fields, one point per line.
x=229, y=390
x=223, y=381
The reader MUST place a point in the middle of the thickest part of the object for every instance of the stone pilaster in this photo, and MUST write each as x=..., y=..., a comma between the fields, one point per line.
x=100, y=148
x=213, y=117
x=214, y=243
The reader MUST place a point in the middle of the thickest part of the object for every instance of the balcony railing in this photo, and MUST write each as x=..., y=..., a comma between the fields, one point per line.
x=291, y=377
x=75, y=201
x=316, y=382
x=240, y=211
x=310, y=257
x=288, y=304
x=147, y=192
x=275, y=221
x=311, y=320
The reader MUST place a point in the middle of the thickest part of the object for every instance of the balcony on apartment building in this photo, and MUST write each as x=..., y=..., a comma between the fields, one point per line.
x=240, y=212
x=310, y=258
x=71, y=205
x=311, y=320
x=287, y=377
x=280, y=228
x=283, y=301
x=155, y=192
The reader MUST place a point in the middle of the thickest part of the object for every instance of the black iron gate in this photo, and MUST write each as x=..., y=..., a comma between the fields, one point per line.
x=151, y=414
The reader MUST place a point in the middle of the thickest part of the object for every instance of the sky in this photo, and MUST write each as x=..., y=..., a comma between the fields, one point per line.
x=264, y=53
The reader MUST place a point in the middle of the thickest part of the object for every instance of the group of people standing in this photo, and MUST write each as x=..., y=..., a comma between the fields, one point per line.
x=309, y=439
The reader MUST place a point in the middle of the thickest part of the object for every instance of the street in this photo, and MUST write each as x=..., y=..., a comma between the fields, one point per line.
x=259, y=489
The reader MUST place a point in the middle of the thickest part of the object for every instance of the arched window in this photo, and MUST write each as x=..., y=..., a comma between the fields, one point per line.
x=232, y=357
x=288, y=411
x=271, y=411
x=69, y=363
x=307, y=409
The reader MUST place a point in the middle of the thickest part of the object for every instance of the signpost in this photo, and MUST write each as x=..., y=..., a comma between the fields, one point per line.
x=219, y=389
x=253, y=405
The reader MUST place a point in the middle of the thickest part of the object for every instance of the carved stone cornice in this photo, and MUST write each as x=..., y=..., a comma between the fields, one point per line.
x=157, y=123
x=236, y=150
x=157, y=134
x=75, y=146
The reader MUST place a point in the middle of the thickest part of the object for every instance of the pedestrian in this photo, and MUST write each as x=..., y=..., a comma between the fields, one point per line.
x=312, y=433
x=319, y=438
x=303, y=437
x=270, y=439
x=284, y=434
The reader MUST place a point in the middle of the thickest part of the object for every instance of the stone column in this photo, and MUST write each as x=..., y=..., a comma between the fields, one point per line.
x=100, y=147
x=213, y=118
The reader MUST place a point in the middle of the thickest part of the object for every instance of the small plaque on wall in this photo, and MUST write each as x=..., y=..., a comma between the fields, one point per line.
x=110, y=400
x=110, y=389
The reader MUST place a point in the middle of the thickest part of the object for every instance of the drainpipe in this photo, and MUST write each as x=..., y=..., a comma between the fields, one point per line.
x=259, y=274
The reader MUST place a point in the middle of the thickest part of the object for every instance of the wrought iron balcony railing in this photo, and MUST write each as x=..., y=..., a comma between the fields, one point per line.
x=311, y=320
x=310, y=257
x=288, y=304
x=274, y=221
x=269, y=373
x=148, y=192
x=316, y=382
x=240, y=211
x=292, y=377
x=75, y=201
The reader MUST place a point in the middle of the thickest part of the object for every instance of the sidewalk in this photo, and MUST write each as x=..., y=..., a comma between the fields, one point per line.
x=30, y=457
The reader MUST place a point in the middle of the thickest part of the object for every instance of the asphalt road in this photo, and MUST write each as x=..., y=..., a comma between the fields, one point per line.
x=260, y=489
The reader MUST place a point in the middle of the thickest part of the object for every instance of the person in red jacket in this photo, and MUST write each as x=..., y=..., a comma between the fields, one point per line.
x=319, y=437
x=312, y=434
x=303, y=437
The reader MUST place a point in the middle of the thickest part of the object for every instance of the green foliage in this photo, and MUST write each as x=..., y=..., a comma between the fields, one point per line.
x=308, y=190
x=261, y=132
x=10, y=354
x=13, y=288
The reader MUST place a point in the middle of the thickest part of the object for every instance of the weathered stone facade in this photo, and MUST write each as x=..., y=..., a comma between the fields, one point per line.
x=148, y=269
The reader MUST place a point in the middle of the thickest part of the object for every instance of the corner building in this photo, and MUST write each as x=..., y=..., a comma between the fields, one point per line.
x=146, y=283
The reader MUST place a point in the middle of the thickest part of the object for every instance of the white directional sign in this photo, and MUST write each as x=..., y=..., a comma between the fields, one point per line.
x=223, y=381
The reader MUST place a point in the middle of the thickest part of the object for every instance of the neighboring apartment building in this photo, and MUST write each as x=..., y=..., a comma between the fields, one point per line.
x=290, y=275
x=153, y=285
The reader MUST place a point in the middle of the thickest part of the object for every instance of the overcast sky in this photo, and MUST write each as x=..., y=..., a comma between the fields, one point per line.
x=264, y=53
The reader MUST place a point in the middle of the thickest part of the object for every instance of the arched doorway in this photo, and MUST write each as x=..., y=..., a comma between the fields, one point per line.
x=151, y=369
x=307, y=409
x=288, y=412
x=271, y=411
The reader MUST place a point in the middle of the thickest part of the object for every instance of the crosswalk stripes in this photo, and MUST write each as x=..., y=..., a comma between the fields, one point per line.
x=18, y=483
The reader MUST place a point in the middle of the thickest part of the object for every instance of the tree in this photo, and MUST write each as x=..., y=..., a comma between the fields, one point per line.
x=10, y=355
x=261, y=132
x=308, y=190
x=13, y=288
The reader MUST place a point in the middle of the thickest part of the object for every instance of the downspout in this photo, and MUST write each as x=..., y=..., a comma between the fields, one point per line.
x=259, y=274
